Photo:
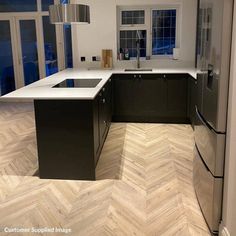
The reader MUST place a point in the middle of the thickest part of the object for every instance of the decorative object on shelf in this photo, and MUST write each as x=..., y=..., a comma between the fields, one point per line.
x=176, y=53
x=69, y=14
x=107, y=62
x=126, y=55
x=121, y=55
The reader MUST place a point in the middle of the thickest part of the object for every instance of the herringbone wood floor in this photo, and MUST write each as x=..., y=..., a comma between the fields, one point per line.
x=144, y=184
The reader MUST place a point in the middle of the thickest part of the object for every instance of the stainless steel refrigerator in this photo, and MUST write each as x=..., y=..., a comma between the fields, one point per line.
x=213, y=64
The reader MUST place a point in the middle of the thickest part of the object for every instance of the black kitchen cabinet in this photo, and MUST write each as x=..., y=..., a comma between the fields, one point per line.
x=71, y=134
x=105, y=110
x=124, y=97
x=102, y=110
x=150, y=98
x=138, y=97
x=66, y=138
x=177, y=98
x=150, y=103
x=96, y=129
x=192, y=99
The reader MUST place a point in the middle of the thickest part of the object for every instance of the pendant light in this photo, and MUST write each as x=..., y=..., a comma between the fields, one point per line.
x=69, y=14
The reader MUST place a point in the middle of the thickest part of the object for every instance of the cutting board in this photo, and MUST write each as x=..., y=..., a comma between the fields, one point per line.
x=107, y=59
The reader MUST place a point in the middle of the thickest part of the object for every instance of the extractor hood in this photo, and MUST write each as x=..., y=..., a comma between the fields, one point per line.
x=69, y=14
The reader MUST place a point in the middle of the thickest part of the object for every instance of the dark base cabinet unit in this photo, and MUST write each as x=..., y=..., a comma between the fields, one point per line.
x=138, y=98
x=177, y=98
x=105, y=110
x=192, y=88
x=70, y=135
x=150, y=98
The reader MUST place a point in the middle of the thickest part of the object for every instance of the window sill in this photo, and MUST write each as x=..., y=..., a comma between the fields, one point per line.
x=153, y=58
x=162, y=57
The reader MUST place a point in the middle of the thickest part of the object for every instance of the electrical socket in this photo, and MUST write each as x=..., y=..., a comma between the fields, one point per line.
x=96, y=58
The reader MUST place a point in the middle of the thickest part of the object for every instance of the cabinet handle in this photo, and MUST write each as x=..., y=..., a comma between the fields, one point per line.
x=100, y=94
x=140, y=76
x=103, y=100
x=164, y=77
x=135, y=76
x=109, y=80
x=103, y=89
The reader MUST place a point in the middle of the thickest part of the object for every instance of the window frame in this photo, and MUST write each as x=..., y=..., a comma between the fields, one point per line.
x=148, y=21
x=132, y=9
x=126, y=27
x=134, y=29
x=177, y=41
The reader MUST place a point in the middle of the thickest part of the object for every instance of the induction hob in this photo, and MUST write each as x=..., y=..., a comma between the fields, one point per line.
x=78, y=83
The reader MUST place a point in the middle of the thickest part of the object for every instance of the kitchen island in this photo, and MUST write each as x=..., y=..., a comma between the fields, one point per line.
x=72, y=122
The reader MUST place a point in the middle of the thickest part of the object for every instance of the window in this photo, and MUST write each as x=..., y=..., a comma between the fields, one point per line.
x=46, y=4
x=7, y=78
x=68, y=46
x=163, y=32
x=50, y=47
x=132, y=32
x=128, y=40
x=132, y=17
x=41, y=48
x=18, y=5
x=155, y=28
x=29, y=51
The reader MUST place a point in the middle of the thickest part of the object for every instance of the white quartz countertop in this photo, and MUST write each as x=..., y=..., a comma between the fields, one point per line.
x=42, y=89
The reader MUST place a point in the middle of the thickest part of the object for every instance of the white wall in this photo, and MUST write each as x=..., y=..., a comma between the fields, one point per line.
x=89, y=40
x=228, y=225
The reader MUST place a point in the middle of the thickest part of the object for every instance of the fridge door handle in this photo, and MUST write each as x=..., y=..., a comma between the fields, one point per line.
x=204, y=122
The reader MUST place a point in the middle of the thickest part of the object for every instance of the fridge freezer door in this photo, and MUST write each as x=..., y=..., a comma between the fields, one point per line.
x=199, y=92
x=210, y=101
x=217, y=14
x=210, y=144
x=209, y=192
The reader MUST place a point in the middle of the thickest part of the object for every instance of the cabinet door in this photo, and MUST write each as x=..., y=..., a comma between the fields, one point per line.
x=105, y=109
x=96, y=131
x=108, y=98
x=124, y=96
x=139, y=97
x=193, y=100
x=177, y=96
x=102, y=116
x=150, y=104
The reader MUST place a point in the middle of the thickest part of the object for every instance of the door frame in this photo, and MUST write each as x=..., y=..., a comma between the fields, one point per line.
x=13, y=46
x=40, y=49
x=14, y=18
x=14, y=21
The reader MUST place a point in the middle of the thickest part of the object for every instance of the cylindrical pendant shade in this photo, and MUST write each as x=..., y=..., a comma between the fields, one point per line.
x=69, y=14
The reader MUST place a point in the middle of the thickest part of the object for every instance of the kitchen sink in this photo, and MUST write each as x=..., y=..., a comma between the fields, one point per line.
x=138, y=70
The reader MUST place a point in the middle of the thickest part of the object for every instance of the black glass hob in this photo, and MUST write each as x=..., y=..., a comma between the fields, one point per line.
x=78, y=83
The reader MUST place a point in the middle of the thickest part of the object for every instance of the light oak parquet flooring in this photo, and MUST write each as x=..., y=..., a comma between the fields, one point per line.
x=144, y=182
